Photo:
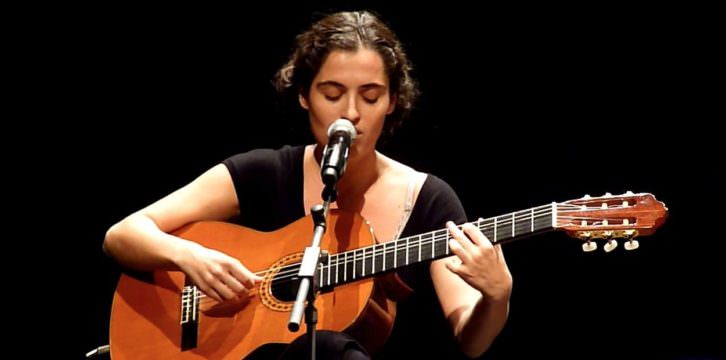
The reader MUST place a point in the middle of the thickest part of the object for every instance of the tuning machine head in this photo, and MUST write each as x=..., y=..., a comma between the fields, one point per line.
x=631, y=244
x=587, y=245
x=611, y=237
x=610, y=245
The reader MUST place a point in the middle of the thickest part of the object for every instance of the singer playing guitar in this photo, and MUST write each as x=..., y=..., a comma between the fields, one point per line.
x=347, y=65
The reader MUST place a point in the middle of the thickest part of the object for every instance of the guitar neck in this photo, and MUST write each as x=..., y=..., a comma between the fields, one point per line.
x=357, y=264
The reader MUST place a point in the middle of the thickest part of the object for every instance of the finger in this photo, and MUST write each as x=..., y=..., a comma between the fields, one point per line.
x=203, y=283
x=475, y=235
x=211, y=293
x=245, y=276
x=453, y=265
x=457, y=234
x=234, y=284
x=459, y=251
x=225, y=291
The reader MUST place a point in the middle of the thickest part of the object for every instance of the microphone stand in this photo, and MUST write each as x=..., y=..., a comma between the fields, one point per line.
x=312, y=257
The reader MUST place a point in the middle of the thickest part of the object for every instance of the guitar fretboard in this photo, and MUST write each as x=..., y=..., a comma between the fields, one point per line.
x=373, y=260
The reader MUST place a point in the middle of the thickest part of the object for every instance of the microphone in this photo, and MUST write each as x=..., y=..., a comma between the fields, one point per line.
x=341, y=134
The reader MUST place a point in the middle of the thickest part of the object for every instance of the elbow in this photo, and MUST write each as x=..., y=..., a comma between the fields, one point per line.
x=473, y=352
x=111, y=240
x=471, y=348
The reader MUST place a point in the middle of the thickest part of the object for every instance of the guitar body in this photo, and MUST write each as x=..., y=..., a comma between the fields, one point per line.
x=146, y=313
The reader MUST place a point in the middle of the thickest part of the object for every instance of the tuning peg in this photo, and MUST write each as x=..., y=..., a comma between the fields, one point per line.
x=631, y=244
x=629, y=193
x=587, y=196
x=610, y=245
x=607, y=194
x=589, y=246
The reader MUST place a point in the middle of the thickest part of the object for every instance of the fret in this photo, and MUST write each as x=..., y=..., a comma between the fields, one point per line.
x=522, y=224
x=446, y=241
x=419, y=248
x=532, y=218
x=513, y=223
x=395, y=254
x=345, y=267
x=354, y=256
x=387, y=261
x=412, y=254
x=359, y=263
x=401, y=254
x=503, y=231
x=339, y=270
x=486, y=229
x=372, y=260
x=330, y=264
x=365, y=261
x=425, y=245
x=373, y=257
x=442, y=243
x=495, y=229
x=384, y=257
x=433, y=242
x=380, y=258
x=406, y=251
x=350, y=260
x=321, y=274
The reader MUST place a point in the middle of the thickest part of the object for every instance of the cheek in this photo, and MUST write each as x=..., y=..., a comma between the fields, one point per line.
x=317, y=126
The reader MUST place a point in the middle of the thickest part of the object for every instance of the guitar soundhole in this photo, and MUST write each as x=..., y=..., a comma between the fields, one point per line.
x=285, y=284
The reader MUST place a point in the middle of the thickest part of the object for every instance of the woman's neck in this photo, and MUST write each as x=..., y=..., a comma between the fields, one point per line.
x=362, y=171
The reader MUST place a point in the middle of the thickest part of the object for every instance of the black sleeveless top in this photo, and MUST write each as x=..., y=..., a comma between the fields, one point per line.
x=269, y=186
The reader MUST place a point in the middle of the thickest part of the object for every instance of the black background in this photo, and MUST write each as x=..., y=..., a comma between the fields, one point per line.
x=520, y=107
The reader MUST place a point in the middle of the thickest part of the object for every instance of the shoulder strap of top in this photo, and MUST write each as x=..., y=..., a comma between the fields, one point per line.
x=414, y=183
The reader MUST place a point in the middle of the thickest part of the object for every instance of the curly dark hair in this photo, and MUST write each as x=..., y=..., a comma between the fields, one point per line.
x=349, y=31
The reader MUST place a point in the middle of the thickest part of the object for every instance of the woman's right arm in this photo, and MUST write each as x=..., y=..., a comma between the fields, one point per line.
x=142, y=240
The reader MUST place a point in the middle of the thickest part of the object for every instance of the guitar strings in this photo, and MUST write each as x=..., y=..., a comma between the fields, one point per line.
x=413, y=242
x=382, y=248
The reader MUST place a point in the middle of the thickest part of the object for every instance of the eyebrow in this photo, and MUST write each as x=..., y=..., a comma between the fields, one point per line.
x=339, y=85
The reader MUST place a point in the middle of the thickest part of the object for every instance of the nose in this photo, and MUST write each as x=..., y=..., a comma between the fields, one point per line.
x=351, y=110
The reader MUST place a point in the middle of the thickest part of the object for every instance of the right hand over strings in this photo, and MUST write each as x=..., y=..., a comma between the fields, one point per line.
x=218, y=275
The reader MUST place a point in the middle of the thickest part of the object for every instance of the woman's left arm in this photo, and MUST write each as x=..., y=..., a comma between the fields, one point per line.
x=474, y=288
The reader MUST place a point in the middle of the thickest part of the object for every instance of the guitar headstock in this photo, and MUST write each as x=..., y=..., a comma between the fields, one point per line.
x=611, y=217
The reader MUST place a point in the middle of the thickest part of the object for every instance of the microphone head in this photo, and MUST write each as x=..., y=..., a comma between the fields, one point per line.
x=343, y=125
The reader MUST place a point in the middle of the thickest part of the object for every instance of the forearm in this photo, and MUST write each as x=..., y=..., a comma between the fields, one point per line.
x=482, y=325
x=137, y=242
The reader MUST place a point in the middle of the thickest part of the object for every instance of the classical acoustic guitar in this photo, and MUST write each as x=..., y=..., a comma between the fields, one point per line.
x=161, y=315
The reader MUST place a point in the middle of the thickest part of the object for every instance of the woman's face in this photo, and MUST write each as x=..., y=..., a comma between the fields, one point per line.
x=354, y=86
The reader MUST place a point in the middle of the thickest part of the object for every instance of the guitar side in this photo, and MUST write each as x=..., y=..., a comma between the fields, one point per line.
x=146, y=313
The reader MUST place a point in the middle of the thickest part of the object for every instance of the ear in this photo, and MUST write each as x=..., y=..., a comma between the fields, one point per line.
x=391, y=105
x=303, y=101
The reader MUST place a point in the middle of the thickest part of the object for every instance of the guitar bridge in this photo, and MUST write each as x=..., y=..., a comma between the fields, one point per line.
x=189, y=319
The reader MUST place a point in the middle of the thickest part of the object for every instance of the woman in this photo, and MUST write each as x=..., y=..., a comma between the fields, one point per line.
x=347, y=65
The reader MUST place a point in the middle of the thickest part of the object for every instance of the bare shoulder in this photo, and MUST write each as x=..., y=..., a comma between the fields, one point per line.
x=399, y=170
